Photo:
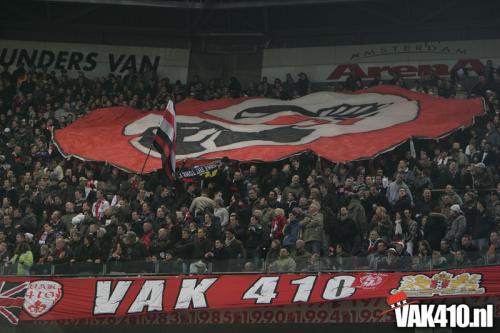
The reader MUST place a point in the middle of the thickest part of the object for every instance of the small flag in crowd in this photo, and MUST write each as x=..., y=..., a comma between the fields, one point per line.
x=164, y=141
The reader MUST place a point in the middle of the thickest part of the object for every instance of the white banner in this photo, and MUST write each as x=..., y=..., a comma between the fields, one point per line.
x=411, y=60
x=96, y=60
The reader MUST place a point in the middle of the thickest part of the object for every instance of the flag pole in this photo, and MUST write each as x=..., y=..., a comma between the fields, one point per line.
x=152, y=142
x=147, y=156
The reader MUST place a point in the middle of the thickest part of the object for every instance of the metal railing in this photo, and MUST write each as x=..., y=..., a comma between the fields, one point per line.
x=239, y=266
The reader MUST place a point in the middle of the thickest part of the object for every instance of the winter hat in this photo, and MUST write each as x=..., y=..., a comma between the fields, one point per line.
x=456, y=208
x=77, y=219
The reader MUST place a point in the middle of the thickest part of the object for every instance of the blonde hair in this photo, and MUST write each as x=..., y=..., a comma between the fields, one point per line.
x=279, y=211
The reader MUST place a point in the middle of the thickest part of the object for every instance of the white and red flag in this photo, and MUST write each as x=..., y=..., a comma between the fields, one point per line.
x=164, y=141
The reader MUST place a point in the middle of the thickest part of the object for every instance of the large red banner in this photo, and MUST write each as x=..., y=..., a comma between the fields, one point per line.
x=87, y=298
x=338, y=127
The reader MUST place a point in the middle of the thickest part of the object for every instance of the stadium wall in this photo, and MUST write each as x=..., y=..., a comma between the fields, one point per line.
x=96, y=60
x=409, y=60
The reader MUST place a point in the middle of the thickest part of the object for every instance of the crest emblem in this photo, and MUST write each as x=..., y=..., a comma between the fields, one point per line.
x=440, y=284
x=41, y=297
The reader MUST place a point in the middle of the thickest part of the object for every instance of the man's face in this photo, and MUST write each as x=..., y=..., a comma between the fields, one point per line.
x=147, y=227
x=201, y=234
x=444, y=246
x=381, y=247
x=69, y=207
x=7, y=221
x=343, y=213
x=466, y=241
x=252, y=194
x=295, y=179
x=283, y=253
x=427, y=194
x=449, y=189
x=60, y=243
x=348, y=182
x=162, y=233
x=19, y=238
x=494, y=237
x=399, y=177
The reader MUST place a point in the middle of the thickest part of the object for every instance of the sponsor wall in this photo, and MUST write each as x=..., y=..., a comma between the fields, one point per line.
x=257, y=298
x=410, y=60
x=96, y=60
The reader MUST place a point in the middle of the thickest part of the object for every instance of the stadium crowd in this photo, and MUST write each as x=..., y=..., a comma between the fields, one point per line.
x=435, y=206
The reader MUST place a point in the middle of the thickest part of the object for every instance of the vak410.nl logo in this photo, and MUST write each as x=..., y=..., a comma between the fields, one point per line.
x=415, y=315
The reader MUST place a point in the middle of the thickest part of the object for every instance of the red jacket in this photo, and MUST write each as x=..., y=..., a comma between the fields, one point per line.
x=277, y=227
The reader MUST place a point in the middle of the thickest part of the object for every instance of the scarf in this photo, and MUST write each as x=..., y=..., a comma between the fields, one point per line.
x=399, y=229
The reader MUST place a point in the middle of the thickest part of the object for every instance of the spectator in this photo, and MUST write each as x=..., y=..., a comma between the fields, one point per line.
x=382, y=224
x=22, y=260
x=294, y=188
x=300, y=255
x=343, y=259
x=446, y=252
x=481, y=226
x=423, y=259
x=254, y=239
x=284, y=264
x=434, y=227
x=375, y=257
x=357, y=213
x=100, y=206
x=219, y=257
x=278, y=224
x=345, y=230
x=424, y=204
x=391, y=262
x=470, y=249
x=133, y=250
x=461, y=260
x=292, y=228
x=438, y=261
x=456, y=226
x=221, y=212
x=312, y=228
x=393, y=191
x=273, y=252
x=200, y=203
x=233, y=246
